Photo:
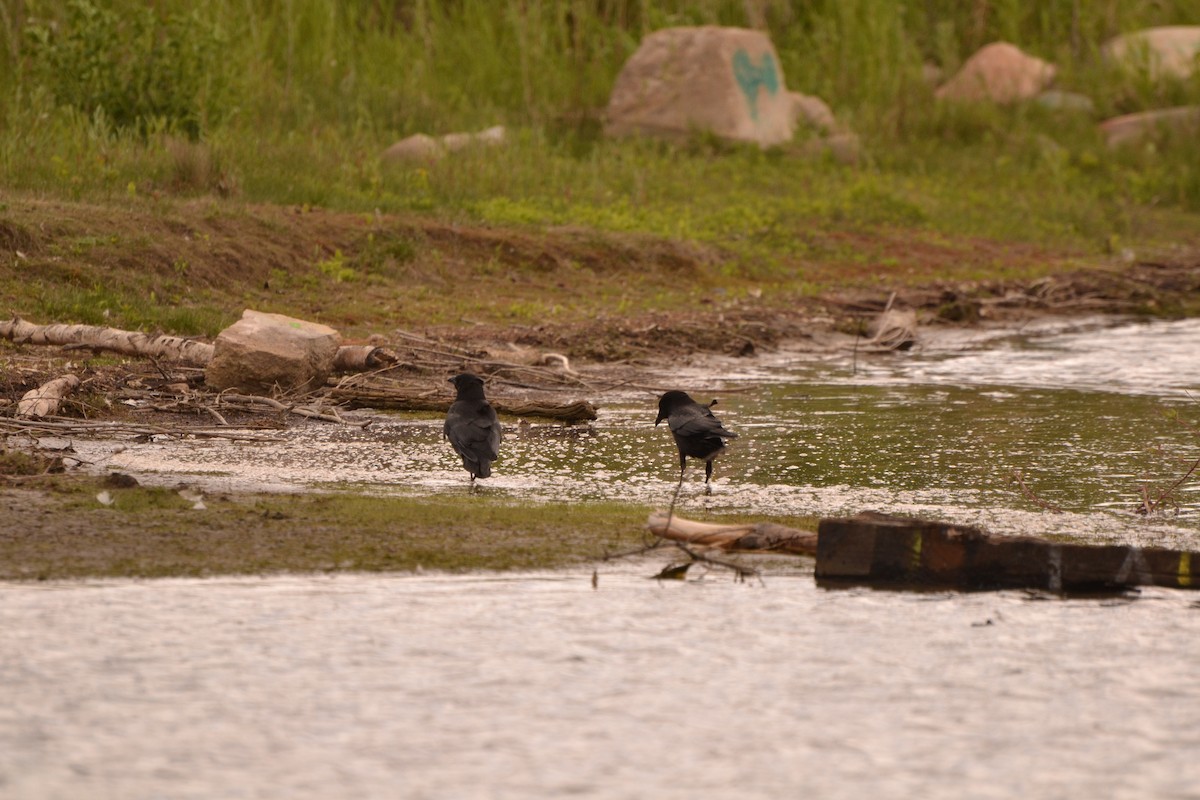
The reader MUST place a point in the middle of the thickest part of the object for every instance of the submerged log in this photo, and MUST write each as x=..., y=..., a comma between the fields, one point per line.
x=45, y=399
x=760, y=537
x=399, y=399
x=897, y=552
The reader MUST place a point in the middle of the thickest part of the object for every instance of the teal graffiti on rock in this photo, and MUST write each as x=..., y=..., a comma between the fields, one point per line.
x=750, y=77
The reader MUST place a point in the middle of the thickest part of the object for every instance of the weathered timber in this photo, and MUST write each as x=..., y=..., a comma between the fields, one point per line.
x=898, y=552
x=362, y=357
x=760, y=537
x=45, y=399
x=99, y=339
x=400, y=400
x=349, y=357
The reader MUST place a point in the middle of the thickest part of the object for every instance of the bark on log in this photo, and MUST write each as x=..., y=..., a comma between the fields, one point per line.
x=897, y=552
x=45, y=400
x=363, y=357
x=760, y=537
x=370, y=397
x=349, y=358
x=130, y=343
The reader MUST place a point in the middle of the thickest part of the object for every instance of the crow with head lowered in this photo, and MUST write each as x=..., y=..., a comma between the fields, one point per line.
x=472, y=426
x=697, y=432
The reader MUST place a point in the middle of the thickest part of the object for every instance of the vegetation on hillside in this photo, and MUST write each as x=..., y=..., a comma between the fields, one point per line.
x=293, y=102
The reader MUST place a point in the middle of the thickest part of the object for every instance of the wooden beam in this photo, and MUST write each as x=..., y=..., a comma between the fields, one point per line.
x=898, y=552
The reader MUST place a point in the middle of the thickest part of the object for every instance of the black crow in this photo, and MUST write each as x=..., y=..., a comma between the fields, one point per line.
x=697, y=432
x=472, y=426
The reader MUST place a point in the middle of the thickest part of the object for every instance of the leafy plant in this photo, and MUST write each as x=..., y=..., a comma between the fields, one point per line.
x=138, y=69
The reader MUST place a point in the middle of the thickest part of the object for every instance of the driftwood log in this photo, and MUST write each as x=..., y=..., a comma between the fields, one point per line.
x=349, y=358
x=898, y=552
x=400, y=398
x=45, y=399
x=759, y=537
x=94, y=337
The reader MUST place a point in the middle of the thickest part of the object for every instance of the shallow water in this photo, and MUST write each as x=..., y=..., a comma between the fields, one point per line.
x=1082, y=415
x=539, y=686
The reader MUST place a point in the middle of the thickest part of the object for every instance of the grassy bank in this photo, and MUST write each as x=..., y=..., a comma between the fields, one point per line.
x=155, y=533
x=293, y=103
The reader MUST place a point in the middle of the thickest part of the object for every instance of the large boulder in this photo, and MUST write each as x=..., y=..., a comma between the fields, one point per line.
x=999, y=72
x=1170, y=51
x=726, y=81
x=265, y=353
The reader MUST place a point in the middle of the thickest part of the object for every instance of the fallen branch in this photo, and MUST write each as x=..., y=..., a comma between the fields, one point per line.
x=45, y=399
x=99, y=339
x=403, y=398
x=71, y=427
x=302, y=411
x=757, y=537
x=1031, y=496
x=349, y=358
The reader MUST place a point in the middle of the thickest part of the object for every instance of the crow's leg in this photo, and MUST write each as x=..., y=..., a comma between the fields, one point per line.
x=675, y=497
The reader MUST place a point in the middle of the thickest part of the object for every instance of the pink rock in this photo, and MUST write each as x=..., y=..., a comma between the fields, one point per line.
x=999, y=72
x=1172, y=50
x=271, y=352
x=726, y=81
x=1131, y=128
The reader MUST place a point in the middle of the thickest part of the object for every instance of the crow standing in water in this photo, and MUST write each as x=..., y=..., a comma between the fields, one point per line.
x=697, y=432
x=472, y=426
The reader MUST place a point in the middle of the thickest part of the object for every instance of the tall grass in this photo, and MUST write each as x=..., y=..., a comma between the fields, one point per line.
x=293, y=100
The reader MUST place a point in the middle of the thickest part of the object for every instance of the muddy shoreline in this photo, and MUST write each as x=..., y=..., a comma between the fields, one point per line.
x=54, y=526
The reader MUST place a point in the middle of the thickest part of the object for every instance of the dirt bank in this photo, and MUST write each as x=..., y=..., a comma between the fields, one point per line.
x=626, y=302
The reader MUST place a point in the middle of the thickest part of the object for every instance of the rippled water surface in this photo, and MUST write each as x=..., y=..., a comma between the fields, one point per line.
x=539, y=685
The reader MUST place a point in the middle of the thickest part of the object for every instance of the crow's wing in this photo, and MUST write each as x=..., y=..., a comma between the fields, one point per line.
x=696, y=421
x=474, y=431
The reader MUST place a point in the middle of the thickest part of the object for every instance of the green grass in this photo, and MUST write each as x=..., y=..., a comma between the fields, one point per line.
x=148, y=532
x=296, y=108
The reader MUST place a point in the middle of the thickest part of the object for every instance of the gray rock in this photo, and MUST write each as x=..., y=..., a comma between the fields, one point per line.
x=264, y=353
x=1066, y=101
x=726, y=81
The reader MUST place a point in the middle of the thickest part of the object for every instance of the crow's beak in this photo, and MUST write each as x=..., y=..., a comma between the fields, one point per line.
x=660, y=419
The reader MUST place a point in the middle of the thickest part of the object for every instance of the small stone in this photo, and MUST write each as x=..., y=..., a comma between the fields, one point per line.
x=120, y=480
